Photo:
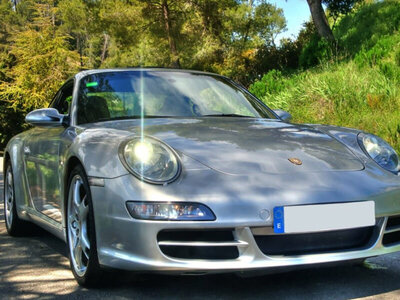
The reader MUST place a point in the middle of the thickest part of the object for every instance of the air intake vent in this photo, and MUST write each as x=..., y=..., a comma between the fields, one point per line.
x=393, y=222
x=392, y=232
x=199, y=244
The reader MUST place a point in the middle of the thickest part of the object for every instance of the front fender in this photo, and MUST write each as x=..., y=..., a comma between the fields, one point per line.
x=97, y=150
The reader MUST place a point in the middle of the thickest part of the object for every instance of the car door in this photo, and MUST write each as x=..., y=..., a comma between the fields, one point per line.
x=42, y=160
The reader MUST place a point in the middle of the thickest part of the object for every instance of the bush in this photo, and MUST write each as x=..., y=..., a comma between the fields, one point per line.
x=272, y=82
x=11, y=123
x=397, y=58
x=361, y=93
x=314, y=52
x=365, y=27
x=344, y=95
x=382, y=49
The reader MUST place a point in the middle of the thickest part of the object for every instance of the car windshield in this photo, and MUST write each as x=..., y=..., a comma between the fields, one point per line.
x=155, y=94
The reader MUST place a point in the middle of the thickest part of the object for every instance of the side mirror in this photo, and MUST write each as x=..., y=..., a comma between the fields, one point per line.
x=47, y=117
x=283, y=115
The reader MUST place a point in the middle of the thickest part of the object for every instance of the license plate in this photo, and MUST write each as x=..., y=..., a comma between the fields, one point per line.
x=323, y=217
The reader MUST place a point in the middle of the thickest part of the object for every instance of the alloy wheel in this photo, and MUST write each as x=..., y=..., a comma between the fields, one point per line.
x=78, y=212
x=9, y=197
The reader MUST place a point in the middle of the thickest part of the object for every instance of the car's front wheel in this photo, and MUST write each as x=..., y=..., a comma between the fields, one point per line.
x=81, y=237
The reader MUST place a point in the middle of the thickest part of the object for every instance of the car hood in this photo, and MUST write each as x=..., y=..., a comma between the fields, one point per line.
x=240, y=146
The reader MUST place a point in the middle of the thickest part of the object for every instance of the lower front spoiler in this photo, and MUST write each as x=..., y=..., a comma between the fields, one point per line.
x=250, y=259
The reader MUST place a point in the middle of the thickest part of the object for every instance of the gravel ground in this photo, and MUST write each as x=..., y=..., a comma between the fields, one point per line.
x=37, y=266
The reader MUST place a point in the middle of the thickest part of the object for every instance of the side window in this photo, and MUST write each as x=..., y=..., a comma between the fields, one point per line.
x=63, y=101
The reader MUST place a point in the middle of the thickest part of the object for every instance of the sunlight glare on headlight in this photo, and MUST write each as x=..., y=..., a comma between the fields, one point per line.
x=150, y=160
x=143, y=151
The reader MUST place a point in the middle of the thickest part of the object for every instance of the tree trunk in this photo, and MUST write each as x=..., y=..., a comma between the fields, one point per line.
x=172, y=45
x=320, y=20
x=79, y=48
x=105, y=47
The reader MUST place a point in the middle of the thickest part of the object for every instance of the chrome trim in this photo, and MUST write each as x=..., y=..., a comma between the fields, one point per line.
x=393, y=229
x=204, y=244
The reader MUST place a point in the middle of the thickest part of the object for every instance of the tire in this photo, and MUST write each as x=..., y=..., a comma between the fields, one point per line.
x=15, y=226
x=81, y=233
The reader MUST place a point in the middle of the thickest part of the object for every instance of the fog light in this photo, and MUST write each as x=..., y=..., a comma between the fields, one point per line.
x=170, y=211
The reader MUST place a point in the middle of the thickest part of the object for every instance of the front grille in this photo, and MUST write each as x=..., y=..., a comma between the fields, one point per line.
x=313, y=243
x=199, y=244
x=391, y=236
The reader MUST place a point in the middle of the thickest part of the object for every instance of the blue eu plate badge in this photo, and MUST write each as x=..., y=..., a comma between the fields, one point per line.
x=323, y=217
x=279, y=224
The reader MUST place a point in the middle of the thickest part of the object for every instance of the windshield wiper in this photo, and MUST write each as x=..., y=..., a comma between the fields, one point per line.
x=228, y=115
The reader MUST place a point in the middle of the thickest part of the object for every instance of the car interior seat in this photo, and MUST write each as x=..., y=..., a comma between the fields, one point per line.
x=93, y=109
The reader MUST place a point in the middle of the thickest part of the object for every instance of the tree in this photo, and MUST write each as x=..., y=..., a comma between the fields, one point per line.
x=73, y=14
x=42, y=42
x=11, y=119
x=320, y=20
x=248, y=28
x=120, y=26
x=335, y=7
x=43, y=61
x=165, y=21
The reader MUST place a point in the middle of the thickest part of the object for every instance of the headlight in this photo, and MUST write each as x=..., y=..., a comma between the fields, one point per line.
x=170, y=211
x=150, y=160
x=380, y=151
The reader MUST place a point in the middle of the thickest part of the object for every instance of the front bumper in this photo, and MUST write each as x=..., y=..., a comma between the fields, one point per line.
x=130, y=244
x=149, y=257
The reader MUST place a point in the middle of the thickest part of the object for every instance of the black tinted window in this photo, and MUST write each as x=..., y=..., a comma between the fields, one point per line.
x=63, y=99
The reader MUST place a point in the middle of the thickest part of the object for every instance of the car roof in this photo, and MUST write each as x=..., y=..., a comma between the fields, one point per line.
x=158, y=69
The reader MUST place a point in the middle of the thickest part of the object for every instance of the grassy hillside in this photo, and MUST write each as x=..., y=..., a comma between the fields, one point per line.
x=360, y=90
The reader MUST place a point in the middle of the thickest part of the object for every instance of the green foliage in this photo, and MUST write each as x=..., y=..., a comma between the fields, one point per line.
x=317, y=50
x=43, y=42
x=35, y=59
x=382, y=49
x=311, y=48
x=363, y=92
x=11, y=122
x=271, y=83
x=247, y=29
x=397, y=58
x=344, y=95
x=43, y=51
x=337, y=8
x=365, y=27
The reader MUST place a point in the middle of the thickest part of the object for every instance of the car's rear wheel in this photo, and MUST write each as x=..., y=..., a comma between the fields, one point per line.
x=81, y=237
x=15, y=226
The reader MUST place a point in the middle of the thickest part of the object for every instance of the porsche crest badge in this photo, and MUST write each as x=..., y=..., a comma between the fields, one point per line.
x=295, y=161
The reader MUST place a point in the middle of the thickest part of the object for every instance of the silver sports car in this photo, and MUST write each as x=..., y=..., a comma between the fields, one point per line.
x=186, y=172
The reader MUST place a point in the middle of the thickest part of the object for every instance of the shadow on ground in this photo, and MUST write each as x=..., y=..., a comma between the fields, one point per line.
x=37, y=266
